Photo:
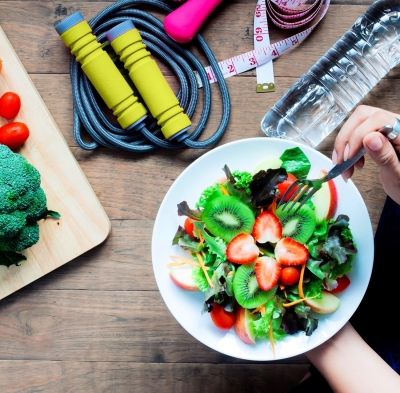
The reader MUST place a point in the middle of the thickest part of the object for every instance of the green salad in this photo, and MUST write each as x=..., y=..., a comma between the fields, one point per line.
x=265, y=271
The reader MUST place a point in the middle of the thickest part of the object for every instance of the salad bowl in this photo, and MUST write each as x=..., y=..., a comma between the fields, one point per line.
x=186, y=306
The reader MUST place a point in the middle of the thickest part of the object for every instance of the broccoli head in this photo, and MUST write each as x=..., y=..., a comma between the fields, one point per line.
x=22, y=204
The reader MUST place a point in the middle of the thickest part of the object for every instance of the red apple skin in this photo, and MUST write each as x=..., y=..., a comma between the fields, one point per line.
x=334, y=198
x=242, y=326
x=182, y=277
x=331, y=207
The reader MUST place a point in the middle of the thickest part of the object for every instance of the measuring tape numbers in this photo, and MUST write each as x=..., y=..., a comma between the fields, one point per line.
x=284, y=15
x=264, y=72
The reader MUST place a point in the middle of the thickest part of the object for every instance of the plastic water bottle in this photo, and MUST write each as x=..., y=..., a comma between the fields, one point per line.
x=321, y=99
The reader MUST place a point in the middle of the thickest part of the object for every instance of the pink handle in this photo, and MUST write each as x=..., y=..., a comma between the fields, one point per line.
x=183, y=23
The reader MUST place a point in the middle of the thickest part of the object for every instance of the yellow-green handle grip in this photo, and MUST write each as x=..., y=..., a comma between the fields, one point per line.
x=149, y=81
x=101, y=71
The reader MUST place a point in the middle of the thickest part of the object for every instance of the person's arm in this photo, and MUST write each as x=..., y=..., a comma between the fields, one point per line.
x=350, y=365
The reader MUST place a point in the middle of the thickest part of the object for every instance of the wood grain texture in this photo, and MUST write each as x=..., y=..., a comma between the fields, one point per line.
x=116, y=377
x=98, y=323
x=83, y=223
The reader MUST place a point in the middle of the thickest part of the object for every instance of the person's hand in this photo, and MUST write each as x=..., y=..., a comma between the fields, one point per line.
x=360, y=129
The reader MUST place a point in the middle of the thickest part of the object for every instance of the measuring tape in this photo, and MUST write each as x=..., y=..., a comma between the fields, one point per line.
x=265, y=72
x=284, y=15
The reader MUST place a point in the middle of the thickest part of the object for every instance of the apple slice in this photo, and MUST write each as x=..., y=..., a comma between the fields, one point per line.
x=182, y=277
x=242, y=325
x=327, y=304
x=325, y=200
x=270, y=163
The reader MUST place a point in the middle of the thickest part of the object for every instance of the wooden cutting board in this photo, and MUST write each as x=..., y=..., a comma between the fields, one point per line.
x=83, y=223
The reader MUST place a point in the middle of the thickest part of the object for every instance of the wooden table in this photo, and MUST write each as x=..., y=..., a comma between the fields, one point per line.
x=98, y=324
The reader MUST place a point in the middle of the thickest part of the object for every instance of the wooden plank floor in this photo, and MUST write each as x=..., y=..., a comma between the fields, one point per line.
x=98, y=324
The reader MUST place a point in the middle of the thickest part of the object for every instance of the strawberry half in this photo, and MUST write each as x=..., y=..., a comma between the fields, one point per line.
x=289, y=252
x=242, y=249
x=268, y=270
x=267, y=228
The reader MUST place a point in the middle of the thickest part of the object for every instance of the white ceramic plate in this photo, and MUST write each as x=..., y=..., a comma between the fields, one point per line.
x=186, y=306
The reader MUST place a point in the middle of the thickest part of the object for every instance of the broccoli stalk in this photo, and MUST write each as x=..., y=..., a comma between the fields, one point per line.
x=22, y=204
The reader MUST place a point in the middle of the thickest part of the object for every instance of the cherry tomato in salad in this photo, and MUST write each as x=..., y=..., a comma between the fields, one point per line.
x=222, y=319
x=290, y=275
x=343, y=283
x=10, y=104
x=282, y=187
x=189, y=227
x=14, y=134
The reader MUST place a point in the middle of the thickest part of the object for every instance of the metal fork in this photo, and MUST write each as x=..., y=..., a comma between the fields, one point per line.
x=306, y=188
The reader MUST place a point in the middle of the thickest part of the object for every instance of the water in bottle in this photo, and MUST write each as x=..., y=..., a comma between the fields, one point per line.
x=321, y=99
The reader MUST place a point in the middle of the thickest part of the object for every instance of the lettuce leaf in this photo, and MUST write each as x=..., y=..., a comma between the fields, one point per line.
x=337, y=245
x=187, y=242
x=295, y=162
x=222, y=291
x=264, y=185
x=216, y=245
x=243, y=180
x=208, y=194
x=185, y=210
x=200, y=279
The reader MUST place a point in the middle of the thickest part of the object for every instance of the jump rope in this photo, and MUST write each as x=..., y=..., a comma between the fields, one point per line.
x=188, y=69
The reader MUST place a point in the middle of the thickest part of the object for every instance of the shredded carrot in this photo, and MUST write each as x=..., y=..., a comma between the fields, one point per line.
x=298, y=301
x=272, y=206
x=259, y=309
x=281, y=287
x=200, y=237
x=223, y=189
x=204, y=269
x=271, y=339
x=183, y=260
x=301, y=293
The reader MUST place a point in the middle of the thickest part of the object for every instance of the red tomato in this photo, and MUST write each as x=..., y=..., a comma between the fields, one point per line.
x=189, y=227
x=10, y=104
x=282, y=187
x=222, y=319
x=290, y=275
x=343, y=283
x=14, y=134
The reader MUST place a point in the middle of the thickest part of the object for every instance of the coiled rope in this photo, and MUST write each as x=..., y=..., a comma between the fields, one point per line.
x=89, y=115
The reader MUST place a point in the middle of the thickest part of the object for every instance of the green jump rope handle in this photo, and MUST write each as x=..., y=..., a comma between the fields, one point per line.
x=149, y=81
x=101, y=71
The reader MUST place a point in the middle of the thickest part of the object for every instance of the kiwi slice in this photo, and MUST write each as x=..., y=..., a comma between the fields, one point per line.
x=246, y=290
x=227, y=216
x=300, y=225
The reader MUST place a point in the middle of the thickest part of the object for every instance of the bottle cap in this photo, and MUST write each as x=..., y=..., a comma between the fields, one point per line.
x=119, y=29
x=69, y=22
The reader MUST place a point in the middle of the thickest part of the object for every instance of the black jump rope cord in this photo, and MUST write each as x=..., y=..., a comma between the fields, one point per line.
x=89, y=115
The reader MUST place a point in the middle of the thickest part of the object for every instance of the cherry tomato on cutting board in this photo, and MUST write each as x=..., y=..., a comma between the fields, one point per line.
x=222, y=319
x=282, y=187
x=343, y=283
x=10, y=104
x=14, y=134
